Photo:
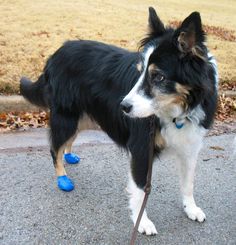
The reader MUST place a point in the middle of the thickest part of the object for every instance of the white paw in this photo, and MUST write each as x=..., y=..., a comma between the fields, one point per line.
x=195, y=213
x=147, y=227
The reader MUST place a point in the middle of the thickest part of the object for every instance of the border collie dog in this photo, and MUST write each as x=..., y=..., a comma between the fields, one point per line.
x=173, y=77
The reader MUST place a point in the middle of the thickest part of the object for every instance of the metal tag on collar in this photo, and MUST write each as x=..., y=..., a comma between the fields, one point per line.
x=178, y=123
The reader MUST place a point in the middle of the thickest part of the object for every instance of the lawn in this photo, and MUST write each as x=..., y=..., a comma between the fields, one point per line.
x=30, y=31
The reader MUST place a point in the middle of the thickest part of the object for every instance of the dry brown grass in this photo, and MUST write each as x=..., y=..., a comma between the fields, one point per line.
x=32, y=30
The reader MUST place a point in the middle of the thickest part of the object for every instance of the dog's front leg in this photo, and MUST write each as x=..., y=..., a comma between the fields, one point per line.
x=187, y=172
x=139, y=146
x=136, y=196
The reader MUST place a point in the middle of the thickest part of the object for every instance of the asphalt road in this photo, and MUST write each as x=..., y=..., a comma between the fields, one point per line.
x=34, y=211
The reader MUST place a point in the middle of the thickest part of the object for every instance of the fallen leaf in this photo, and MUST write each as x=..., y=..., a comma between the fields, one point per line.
x=217, y=148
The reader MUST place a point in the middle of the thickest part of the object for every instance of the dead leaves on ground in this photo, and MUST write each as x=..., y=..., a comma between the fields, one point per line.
x=23, y=120
x=228, y=85
x=222, y=33
x=226, y=109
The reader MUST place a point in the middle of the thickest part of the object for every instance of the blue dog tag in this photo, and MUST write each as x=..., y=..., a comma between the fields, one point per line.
x=179, y=125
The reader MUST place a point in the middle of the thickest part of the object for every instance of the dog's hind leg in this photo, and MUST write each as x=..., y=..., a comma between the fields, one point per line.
x=85, y=123
x=63, y=129
x=70, y=157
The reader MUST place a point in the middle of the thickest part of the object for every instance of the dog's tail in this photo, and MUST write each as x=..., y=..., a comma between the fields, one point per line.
x=35, y=92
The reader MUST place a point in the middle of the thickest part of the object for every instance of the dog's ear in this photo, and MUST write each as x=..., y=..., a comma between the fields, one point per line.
x=156, y=27
x=190, y=35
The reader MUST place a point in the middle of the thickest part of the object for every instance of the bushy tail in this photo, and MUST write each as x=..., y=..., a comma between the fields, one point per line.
x=35, y=92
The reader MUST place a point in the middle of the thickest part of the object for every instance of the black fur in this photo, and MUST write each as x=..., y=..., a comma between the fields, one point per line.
x=91, y=77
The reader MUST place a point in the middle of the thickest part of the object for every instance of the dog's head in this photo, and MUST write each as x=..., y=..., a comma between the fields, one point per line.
x=174, y=71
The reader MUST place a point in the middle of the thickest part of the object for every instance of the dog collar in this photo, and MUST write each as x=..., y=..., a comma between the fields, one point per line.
x=178, y=123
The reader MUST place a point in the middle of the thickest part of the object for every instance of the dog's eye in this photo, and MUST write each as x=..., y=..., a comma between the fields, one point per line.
x=157, y=77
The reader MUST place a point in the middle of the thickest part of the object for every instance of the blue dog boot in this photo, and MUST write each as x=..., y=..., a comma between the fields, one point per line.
x=64, y=183
x=71, y=158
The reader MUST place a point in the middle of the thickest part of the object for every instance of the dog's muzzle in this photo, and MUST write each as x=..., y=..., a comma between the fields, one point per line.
x=126, y=106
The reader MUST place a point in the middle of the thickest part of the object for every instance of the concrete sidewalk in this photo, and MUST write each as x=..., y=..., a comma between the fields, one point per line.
x=34, y=211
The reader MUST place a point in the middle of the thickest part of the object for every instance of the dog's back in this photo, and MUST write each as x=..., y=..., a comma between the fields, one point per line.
x=88, y=77
x=83, y=70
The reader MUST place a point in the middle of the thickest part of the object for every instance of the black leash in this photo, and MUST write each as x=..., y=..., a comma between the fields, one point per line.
x=148, y=186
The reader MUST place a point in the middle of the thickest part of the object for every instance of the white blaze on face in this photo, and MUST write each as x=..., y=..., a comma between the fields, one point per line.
x=141, y=104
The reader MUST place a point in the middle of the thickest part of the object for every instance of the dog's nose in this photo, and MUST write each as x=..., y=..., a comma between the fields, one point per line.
x=126, y=106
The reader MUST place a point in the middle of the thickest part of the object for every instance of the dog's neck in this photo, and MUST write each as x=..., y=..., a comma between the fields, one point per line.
x=195, y=116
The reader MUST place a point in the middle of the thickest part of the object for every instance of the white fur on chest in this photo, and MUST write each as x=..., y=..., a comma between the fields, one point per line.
x=186, y=140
